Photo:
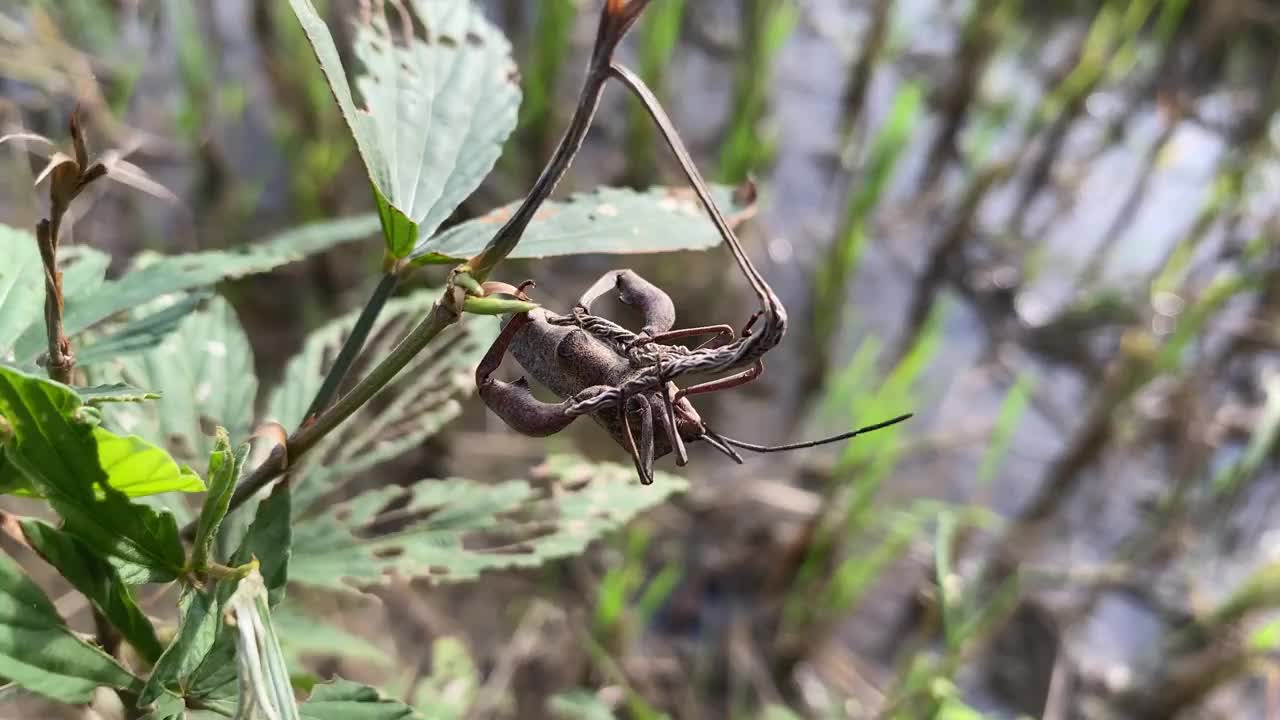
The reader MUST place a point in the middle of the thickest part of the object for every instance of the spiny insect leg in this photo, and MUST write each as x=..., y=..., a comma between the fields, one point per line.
x=673, y=430
x=642, y=453
x=727, y=383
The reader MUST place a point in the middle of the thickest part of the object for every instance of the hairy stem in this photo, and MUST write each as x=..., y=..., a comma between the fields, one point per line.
x=354, y=343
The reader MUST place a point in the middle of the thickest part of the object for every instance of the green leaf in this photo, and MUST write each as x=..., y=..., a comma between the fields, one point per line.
x=440, y=526
x=39, y=652
x=609, y=220
x=449, y=691
x=156, y=275
x=60, y=456
x=410, y=409
x=268, y=540
x=224, y=470
x=147, y=329
x=206, y=371
x=579, y=705
x=98, y=581
x=343, y=700
x=21, y=287
x=197, y=630
x=436, y=111
x=302, y=635
x=261, y=668
x=114, y=392
x=167, y=707
x=138, y=468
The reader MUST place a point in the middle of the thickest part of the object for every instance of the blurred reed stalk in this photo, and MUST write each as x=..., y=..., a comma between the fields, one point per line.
x=873, y=42
x=1112, y=37
x=748, y=145
x=552, y=35
x=986, y=23
x=659, y=33
x=839, y=264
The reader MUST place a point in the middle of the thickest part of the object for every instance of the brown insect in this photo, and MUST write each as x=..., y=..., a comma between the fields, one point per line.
x=624, y=380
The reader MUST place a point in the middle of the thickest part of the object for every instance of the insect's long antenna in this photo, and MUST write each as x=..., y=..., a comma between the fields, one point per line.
x=813, y=443
x=768, y=299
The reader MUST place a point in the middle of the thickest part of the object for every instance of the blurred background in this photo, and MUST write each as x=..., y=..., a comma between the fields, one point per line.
x=1048, y=229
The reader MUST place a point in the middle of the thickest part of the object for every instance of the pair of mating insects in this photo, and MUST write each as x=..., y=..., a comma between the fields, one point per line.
x=624, y=380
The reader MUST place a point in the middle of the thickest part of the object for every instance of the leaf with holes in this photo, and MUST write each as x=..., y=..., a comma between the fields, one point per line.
x=344, y=700
x=411, y=408
x=89, y=302
x=58, y=451
x=452, y=530
x=205, y=369
x=609, y=220
x=437, y=108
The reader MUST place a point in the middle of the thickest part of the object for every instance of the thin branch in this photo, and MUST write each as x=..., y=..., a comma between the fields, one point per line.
x=354, y=343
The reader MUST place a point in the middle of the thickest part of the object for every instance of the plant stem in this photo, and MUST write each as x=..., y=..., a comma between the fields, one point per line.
x=60, y=361
x=306, y=437
x=354, y=343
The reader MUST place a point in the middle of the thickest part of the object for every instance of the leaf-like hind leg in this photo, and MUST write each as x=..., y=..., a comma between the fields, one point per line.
x=732, y=381
x=652, y=301
x=514, y=402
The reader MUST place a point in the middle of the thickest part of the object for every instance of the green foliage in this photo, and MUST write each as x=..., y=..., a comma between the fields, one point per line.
x=438, y=528
x=842, y=258
x=224, y=471
x=579, y=705
x=206, y=370
x=58, y=452
x=89, y=299
x=609, y=220
x=436, y=111
x=97, y=580
x=448, y=692
x=409, y=409
x=40, y=653
x=767, y=24
x=343, y=700
x=551, y=46
x=21, y=286
x=114, y=392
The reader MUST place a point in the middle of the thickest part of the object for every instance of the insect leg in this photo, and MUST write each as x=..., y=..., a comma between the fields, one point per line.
x=655, y=304
x=673, y=431
x=716, y=331
x=732, y=381
x=514, y=402
x=642, y=453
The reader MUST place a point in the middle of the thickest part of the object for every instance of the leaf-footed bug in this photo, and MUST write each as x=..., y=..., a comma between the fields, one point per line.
x=599, y=368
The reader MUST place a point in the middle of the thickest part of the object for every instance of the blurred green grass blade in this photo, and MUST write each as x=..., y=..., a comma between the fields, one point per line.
x=1012, y=409
x=1261, y=442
